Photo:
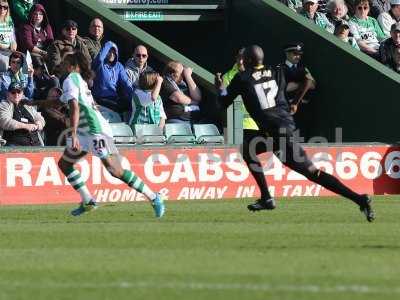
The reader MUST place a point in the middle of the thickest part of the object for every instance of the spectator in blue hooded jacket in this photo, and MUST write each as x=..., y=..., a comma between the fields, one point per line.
x=111, y=87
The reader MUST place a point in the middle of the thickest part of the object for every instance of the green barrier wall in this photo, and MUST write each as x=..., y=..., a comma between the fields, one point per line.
x=354, y=91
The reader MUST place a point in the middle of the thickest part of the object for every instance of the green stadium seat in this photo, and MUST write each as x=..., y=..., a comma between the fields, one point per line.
x=148, y=134
x=179, y=134
x=207, y=134
x=122, y=133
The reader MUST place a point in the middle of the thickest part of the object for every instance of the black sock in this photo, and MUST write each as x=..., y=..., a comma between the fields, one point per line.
x=333, y=184
x=260, y=179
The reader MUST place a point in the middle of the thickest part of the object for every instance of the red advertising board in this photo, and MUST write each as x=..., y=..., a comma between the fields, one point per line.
x=196, y=173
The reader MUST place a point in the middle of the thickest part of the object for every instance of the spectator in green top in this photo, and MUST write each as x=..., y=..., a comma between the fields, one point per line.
x=20, y=11
x=365, y=29
x=309, y=11
x=8, y=42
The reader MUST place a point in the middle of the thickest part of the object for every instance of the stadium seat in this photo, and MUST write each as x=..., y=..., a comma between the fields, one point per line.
x=179, y=134
x=148, y=134
x=122, y=133
x=207, y=134
x=2, y=142
x=109, y=115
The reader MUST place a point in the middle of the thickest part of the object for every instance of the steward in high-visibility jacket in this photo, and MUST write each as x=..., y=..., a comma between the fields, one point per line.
x=248, y=122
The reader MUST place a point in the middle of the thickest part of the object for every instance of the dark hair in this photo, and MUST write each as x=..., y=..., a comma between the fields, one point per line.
x=147, y=80
x=358, y=2
x=78, y=59
x=16, y=54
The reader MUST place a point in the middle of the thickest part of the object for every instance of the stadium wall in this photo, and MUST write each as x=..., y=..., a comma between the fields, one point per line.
x=32, y=177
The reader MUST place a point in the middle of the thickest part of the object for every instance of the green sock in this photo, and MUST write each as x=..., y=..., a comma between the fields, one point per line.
x=135, y=182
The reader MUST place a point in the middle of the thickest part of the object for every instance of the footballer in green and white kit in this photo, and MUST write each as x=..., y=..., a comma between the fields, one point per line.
x=94, y=131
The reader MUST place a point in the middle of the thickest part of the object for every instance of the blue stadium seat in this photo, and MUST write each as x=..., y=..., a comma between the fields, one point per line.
x=179, y=134
x=148, y=134
x=122, y=133
x=207, y=134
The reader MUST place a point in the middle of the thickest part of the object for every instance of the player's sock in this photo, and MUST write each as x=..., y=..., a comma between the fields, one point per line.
x=333, y=184
x=135, y=182
x=75, y=179
x=260, y=179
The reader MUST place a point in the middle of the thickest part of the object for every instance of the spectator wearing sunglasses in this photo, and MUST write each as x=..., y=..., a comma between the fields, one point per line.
x=366, y=30
x=137, y=65
x=16, y=74
x=20, y=124
x=8, y=42
x=69, y=42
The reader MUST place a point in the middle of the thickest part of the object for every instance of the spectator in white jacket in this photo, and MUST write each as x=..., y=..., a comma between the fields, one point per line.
x=387, y=19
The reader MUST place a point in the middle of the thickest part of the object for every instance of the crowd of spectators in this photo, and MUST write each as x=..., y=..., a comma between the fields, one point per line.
x=32, y=70
x=370, y=26
x=32, y=67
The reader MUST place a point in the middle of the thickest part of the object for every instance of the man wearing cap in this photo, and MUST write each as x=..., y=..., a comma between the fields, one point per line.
x=387, y=19
x=309, y=11
x=69, y=42
x=19, y=124
x=387, y=47
x=298, y=78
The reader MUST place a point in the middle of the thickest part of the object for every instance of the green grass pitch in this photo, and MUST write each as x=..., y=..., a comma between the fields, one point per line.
x=308, y=248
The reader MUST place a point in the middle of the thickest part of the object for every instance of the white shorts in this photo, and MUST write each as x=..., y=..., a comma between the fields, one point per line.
x=99, y=144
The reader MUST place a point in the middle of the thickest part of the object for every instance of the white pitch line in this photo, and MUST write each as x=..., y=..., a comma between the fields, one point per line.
x=358, y=289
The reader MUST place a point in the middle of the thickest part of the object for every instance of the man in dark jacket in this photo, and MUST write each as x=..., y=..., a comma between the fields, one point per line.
x=69, y=42
x=387, y=47
x=93, y=41
x=111, y=87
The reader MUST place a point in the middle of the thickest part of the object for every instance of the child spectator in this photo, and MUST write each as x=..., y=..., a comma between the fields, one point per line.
x=147, y=106
x=8, y=41
x=36, y=35
x=15, y=73
x=342, y=31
